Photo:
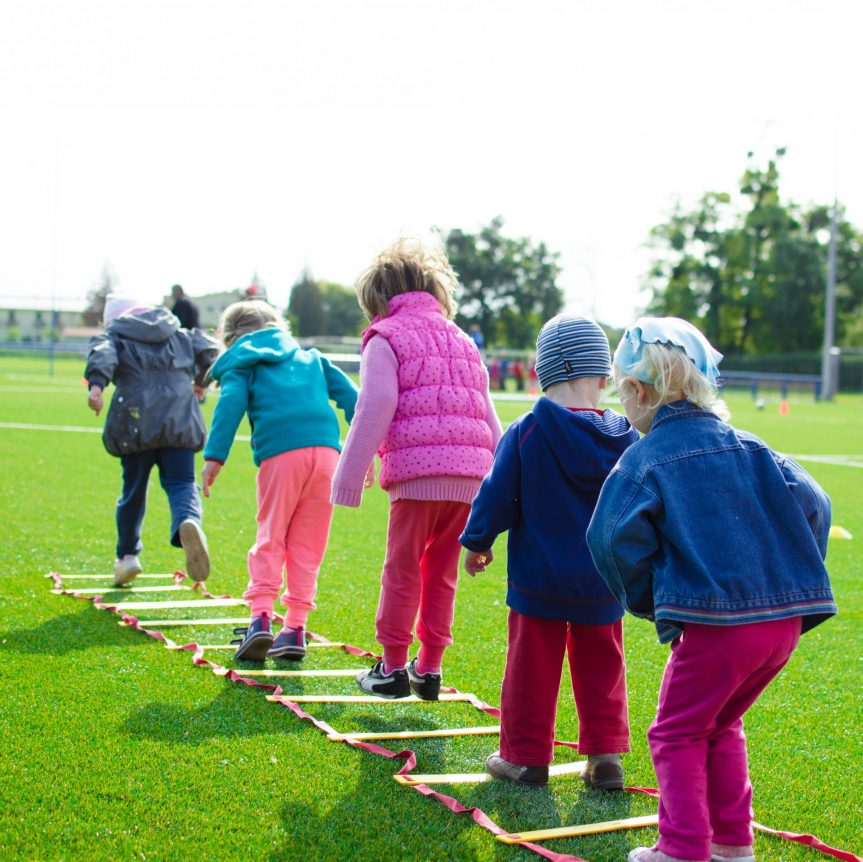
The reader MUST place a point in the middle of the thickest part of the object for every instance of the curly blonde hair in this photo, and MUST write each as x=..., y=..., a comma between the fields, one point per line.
x=672, y=371
x=407, y=266
x=247, y=316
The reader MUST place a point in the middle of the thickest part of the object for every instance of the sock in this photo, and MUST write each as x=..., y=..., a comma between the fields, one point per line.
x=395, y=658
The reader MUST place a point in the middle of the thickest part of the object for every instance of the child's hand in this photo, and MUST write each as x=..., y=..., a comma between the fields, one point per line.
x=208, y=475
x=476, y=561
x=369, y=481
x=94, y=400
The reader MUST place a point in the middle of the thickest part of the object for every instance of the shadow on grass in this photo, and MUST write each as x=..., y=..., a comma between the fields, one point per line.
x=232, y=714
x=67, y=633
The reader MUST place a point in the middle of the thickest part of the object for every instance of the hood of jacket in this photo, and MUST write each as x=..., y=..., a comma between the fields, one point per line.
x=585, y=444
x=151, y=326
x=265, y=345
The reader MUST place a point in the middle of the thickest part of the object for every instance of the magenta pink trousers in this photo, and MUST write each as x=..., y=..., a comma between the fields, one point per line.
x=531, y=686
x=419, y=580
x=713, y=675
x=294, y=514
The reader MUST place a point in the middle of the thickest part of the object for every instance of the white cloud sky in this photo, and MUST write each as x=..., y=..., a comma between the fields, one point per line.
x=197, y=141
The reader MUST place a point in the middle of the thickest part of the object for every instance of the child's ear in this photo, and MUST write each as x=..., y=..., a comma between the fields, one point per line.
x=641, y=392
x=603, y=382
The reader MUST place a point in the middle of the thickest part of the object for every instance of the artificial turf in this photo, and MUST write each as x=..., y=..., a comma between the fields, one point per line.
x=116, y=748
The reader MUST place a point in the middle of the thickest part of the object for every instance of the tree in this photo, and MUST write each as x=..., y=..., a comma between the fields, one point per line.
x=753, y=277
x=95, y=310
x=507, y=286
x=342, y=312
x=305, y=306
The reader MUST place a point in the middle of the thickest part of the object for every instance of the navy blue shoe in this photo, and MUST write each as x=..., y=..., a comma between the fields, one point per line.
x=289, y=643
x=256, y=641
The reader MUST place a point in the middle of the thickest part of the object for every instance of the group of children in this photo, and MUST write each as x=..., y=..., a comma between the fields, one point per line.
x=696, y=526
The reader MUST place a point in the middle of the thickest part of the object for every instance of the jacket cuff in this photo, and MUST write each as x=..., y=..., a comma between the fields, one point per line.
x=465, y=542
x=347, y=497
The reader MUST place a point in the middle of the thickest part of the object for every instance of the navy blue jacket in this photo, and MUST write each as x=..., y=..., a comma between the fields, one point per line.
x=702, y=523
x=547, y=473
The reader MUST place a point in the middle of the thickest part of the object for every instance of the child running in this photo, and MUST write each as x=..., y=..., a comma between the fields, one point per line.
x=720, y=542
x=154, y=421
x=546, y=478
x=424, y=405
x=295, y=443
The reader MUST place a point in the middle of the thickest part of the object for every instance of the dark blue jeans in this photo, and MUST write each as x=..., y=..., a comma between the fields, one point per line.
x=177, y=477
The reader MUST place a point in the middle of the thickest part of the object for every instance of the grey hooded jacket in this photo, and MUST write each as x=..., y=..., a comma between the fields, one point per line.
x=152, y=362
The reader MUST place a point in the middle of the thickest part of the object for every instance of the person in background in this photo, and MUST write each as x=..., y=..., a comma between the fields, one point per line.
x=720, y=541
x=154, y=421
x=547, y=473
x=184, y=309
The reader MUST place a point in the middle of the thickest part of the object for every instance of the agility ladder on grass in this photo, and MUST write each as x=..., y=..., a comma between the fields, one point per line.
x=366, y=741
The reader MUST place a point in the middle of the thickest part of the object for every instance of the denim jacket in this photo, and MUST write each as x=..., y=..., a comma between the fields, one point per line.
x=699, y=522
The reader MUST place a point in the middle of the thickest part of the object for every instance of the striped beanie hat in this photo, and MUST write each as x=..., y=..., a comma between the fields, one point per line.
x=569, y=347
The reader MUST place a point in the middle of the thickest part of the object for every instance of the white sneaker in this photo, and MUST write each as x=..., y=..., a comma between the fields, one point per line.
x=126, y=570
x=194, y=543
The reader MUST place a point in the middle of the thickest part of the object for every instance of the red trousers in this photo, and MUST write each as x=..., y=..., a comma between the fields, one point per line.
x=531, y=685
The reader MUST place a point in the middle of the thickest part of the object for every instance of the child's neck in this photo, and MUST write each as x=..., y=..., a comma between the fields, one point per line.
x=581, y=394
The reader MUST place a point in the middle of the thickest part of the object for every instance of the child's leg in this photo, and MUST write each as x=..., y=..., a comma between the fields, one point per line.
x=598, y=672
x=307, y=535
x=530, y=687
x=710, y=667
x=729, y=791
x=177, y=476
x=439, y=581
x=279, y=485
x=410, y=523
x=133, y=501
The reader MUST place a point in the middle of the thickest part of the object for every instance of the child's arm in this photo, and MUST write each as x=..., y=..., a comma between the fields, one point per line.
x=622, y=541
x=101, y=365
x=376, y=407
x=230, y=409
x=206, y=352
x=496, y=507
x=341, y=389
x=492, y=419
x=810, y=496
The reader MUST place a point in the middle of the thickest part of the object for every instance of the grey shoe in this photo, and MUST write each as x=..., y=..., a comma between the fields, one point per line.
x=530, y=776
x=604, y=772
x=126, y=570
x=195, y=547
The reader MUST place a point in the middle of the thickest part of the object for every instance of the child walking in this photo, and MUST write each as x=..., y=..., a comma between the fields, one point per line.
x=285, y=391
x=154, y=421
x=546, y=478
x=720, y=542
x=424, y=405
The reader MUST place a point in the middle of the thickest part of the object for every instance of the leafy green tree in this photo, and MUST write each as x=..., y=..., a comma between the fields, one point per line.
x=306, y=307
x=508, y=287
x=342, y=312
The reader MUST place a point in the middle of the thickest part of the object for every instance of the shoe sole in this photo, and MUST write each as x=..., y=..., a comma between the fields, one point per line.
x=256, y=648
x=381, y=694
x=127, y=577
x=293, y=653
x=197, y=556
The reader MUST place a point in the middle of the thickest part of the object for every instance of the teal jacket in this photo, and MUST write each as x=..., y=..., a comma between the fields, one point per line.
x=285, y=390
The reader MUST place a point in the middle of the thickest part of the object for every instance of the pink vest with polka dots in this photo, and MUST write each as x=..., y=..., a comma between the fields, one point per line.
x=439, y=427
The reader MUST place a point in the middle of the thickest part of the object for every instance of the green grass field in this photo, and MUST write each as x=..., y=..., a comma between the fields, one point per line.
x=116, y=748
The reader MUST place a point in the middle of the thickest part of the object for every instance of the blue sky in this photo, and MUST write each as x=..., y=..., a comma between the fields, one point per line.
x=197, y=141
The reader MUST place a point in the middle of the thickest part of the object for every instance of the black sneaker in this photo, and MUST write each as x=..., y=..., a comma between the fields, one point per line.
x=256, y=641
x=289, y=643
x=530, y=776
x=389, y=685
x=423, y=685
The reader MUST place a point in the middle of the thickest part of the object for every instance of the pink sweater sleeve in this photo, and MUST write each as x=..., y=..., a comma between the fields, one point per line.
x=376, y=407
x=491, y=418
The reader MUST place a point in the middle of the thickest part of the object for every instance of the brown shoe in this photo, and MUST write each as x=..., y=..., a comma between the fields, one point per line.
x=530, y=776
x=604, y=772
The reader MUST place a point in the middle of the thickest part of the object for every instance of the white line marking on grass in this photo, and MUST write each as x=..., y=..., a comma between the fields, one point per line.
x=55, y=390
x=75, y=429
x=834, y=460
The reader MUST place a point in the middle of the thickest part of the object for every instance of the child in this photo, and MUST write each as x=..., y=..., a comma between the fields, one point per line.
x=295, y=442
x=424, y=403
x=153, y=420
x=547, y=473
x=720, y=542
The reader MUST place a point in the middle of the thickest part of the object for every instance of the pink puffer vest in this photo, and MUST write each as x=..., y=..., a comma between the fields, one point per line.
x=439, y=427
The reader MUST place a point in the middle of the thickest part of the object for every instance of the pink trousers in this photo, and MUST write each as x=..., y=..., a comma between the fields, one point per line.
x=294, y=513
x=419, y=580
x=714, y=674
x=531, y=686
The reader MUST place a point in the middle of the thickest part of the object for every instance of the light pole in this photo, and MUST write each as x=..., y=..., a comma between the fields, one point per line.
x=828, y=378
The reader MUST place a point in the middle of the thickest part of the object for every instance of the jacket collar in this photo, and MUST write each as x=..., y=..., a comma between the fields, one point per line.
x=682, y=409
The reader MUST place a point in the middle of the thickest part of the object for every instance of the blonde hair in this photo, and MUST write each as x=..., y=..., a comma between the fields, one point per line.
x=672, y=371
x=247, y=316
x=406, y=266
